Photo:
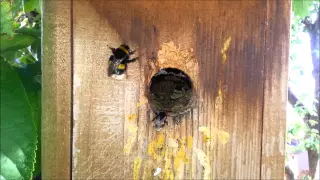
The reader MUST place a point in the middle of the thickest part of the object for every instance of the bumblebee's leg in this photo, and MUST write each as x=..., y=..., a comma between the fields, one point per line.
x=132, y=60
x=155, y=117
x=111, y=58
x=166, y=122
x=132, y=52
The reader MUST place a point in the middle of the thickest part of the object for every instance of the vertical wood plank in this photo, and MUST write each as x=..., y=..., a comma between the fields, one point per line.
x=56, y=89
x=275, y=89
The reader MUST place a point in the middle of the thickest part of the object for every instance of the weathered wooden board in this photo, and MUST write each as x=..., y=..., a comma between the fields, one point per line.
x=56, y=90
x=236, y=54
x=275, y=89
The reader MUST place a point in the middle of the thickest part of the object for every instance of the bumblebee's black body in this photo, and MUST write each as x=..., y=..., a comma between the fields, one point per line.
x=119, y=60
x=160, y=120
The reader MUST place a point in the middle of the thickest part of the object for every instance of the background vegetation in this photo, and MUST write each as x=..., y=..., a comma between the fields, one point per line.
x=303, y=129
x=20, y=58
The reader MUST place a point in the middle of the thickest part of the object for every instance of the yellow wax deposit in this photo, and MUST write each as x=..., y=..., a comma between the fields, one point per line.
x=136, y=168
x=127, y=148
x=156, y=147
x=132, y=117
x=225, y=48
x=205, y=139
x=151, y=150
x=168, y=175
x=132, y=128
x=167, y=171
x=189, y=142
x=223, y=136
x=179, y=158
x=186, y=159
x=161, y=140
x=206, y=134
x=147, y=171
x=141, y=103
x=205, y=130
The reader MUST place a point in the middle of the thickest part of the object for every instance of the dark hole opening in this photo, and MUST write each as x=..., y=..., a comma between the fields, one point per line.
x=171, y=91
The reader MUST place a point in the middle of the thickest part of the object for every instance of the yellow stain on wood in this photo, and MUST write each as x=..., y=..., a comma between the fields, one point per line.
x=132, y=129
x=223, y=136
x=210, y=137
x=168, y=175
x=205, y=134
x=147, y=171
x=160, y=141
x=152, y=150
x=132, y=117
x=167, y=171
x=136, y=168
x=220, y=91
x=218, y=99
x=142, y=102
x=179, y=158
x=173, y=152
x=225, y=48
x=189, y=142
x=156, y=147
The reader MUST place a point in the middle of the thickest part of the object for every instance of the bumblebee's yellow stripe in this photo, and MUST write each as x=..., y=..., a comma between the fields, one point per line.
x=121, y=66
x=124, y=49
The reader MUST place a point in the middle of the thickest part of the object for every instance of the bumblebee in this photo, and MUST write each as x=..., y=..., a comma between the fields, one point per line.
x=118, y=61
x=160, y=120
x=170, y=95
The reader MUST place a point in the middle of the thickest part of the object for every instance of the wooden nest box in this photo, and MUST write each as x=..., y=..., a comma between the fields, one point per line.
x=96, y=127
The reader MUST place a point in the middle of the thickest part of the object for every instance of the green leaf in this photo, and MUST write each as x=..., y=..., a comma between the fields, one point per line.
x=11, y=56
x=18, y=131
x=36, y=49
x=18, y=41
x=314, y=131
x=6, y=24
x=30, y=5
x=301, y=7
x=17, y=7
x=33, y=90
x=312, y=122
x=29, y=31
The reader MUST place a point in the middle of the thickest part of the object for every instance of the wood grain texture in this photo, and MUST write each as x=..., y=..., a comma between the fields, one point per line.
x=56, y=89
x=275, y=89
x=238, y=89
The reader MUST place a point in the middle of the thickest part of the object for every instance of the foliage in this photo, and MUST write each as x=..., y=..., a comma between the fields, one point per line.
x=18, y=131
x=302, y=134
x=20, y=36
x=301, y=8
